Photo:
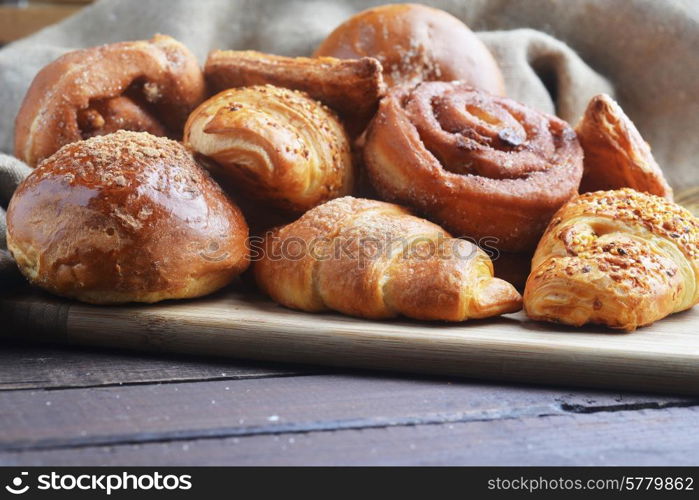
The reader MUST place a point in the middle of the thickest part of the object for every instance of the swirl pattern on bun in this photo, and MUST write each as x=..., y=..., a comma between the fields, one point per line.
x=478, y=164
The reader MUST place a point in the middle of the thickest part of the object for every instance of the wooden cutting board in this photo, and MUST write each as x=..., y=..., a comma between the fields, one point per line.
x=663, y=357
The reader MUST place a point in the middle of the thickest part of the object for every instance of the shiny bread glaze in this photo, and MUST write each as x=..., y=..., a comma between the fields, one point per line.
x=125, y=217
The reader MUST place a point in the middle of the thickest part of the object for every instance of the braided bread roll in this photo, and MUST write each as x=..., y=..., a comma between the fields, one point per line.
x=373, y=259
x=149, y=86
x=276, y=145
x=480, y=165
x=619, y=258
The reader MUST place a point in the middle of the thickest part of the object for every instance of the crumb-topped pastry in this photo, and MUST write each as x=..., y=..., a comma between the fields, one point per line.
x=620, y=258
x=125, y=217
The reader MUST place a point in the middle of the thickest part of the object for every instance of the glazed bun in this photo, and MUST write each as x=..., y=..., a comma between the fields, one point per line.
x=125, y=217
x=416, y=43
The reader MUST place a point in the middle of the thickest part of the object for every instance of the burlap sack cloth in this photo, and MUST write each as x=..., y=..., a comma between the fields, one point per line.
x=555, y=55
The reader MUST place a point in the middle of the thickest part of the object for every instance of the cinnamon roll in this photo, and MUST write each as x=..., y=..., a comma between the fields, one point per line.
x=147, y=86
x=480, y=165
x=275, y=145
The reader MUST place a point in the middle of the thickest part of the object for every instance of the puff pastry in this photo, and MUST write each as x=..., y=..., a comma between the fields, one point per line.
x=616, y=155
x=149, y=86
x=480, y=165
x=276, y=145
x=351, y=87
x=619, y=258
x=373, y=259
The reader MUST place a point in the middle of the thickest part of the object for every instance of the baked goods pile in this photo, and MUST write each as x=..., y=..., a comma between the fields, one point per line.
x=149, y=170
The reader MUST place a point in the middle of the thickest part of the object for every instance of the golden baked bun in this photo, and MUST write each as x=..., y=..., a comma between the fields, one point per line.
x=278, y=146
x=149, y=86
x=416, y=43
x=125, y=217
x=619, y=258
x=480, y=165
x=373, y=259
x=616, y=156
x=352, y=88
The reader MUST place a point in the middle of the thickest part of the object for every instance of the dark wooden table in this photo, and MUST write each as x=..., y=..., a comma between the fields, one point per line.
x=78, y=406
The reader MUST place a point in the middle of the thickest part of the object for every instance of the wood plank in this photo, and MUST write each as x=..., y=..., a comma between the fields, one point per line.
x=662, y=357
x=142, y=413
x=18, y=22
x=27, y=366
x=649, y=437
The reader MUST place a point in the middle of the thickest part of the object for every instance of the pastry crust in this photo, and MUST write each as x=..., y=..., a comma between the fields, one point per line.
x=276, y=145
x=350, y=87
x=125, y=217
x=480, y=165
x=616, y=156
x=619, y=258
x=416, y=43
x=373, y=259
x=147, y=86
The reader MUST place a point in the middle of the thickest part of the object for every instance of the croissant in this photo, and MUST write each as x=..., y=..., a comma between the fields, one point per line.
x=480, y=165
x=618, y=258
x=616, y=155
x=149, y=86
x=277, y=145
x=351, y=87
x=373, y=259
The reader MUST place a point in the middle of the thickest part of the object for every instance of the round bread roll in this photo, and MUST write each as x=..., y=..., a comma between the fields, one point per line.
x=125, y=217
x=416, y=43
